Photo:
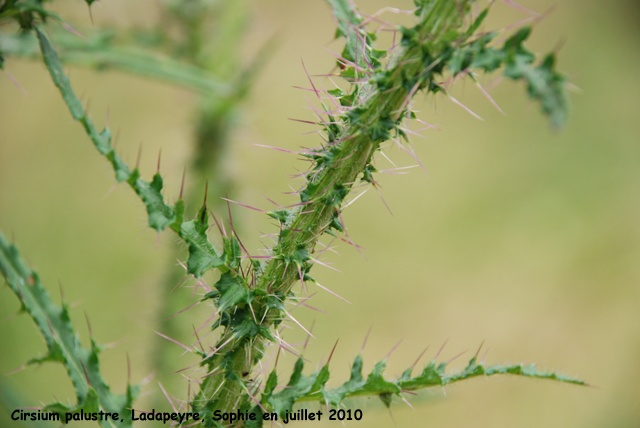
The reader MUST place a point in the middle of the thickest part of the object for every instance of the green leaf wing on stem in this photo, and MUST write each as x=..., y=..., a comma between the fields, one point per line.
x=303, y=388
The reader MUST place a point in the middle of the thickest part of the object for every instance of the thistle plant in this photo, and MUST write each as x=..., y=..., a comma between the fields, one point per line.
x=200, y=54
x=254, y=293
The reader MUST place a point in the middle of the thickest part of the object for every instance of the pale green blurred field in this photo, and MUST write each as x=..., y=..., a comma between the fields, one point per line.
x=523, y=237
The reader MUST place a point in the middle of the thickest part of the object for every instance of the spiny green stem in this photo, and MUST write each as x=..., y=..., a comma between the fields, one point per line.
x=373, y=111
x=323, y=196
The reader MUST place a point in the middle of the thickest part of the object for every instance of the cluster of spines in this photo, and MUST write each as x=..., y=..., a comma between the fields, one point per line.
x=250, y=303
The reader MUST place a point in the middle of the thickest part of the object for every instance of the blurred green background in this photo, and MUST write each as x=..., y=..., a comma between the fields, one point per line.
x=522, y=237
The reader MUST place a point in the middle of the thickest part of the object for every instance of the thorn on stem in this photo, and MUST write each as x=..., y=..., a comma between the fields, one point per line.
x=365, y=340
x=277, y=358
x=139, y=156
x=86, y=375
x=173, y=340
x=438, y=354
x=16, y=83
x=72, y=30
x=61, y=292
x=184, y=175
x=128, y=369
x=478, y=353
x=311, y=81
x=220, y=228
x=331, y=355
x=306, y=342
x=203, y=216
x=16, y=370
x=451, y=359
x=419, y=356
x=167, y=397
x=393, y=349
x=243, y=205
x=484, y=356
x=115, y=140
x=86, y=317
x=230, y=216
x=196, y=334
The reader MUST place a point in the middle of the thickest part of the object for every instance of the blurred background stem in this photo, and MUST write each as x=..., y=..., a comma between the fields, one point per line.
x=212, y=34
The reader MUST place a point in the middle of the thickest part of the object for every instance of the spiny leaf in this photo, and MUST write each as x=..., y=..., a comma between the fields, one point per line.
x=544, y=83
x=63, y=346
x=202, y=254
x=232, y=252
x=160, y=214
x=232, y=291
x=311, y=388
